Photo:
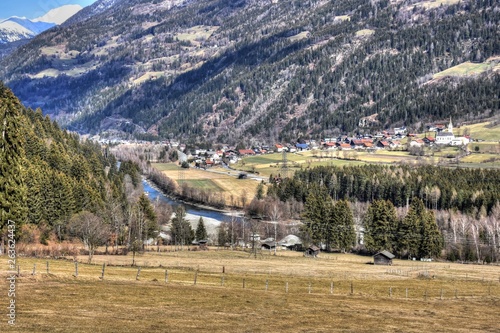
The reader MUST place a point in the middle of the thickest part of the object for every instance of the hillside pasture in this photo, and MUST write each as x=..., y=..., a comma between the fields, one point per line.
x=466, y=69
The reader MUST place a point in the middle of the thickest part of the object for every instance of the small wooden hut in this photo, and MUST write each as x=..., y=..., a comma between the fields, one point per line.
x=312, y=251
x=383, y=258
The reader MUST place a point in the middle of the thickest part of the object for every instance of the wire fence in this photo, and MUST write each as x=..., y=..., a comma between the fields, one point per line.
x=418, y=282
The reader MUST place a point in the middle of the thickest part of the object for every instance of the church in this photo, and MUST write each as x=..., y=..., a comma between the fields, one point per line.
x=445, y=137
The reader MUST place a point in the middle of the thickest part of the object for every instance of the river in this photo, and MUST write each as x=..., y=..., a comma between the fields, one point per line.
x=211, y=218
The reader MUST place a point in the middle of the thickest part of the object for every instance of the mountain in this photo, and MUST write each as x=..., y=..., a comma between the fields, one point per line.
x=60, y=15
x=49, y=174
x=15, y=30
x=255, y=70
x=18, y=28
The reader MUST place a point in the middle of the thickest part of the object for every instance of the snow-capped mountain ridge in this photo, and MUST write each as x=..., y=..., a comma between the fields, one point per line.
x=59, y=15
x=18, y=28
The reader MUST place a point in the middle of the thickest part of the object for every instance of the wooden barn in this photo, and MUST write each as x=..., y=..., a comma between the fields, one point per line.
x=312, y=251
x=383, y=258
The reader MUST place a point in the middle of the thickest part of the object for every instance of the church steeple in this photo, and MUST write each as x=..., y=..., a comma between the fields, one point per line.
x=450, y=126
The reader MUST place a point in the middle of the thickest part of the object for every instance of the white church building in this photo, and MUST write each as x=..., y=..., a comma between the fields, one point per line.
x=445, y=137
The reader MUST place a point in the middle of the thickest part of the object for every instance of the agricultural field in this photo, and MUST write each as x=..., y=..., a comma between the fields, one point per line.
x=483, y=131
x=187, y=291
x=216, y=179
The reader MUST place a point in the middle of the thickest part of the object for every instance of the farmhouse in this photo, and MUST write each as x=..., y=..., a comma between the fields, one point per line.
x=383, y=258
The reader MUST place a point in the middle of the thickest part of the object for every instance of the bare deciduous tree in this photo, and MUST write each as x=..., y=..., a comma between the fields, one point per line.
x=90, y=229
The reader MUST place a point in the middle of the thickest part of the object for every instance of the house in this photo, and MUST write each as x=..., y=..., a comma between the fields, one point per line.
x=302, y=146
x=345, y=146
x=329, y=145
x=244, y=152
x=312, y=251
x=279, y=147
x=368, y=145
x=382, y=144
x=400, y=130
x=356, y=143
x=383, y=258
x=428, y=140
x=417, y=143
x=460, y=141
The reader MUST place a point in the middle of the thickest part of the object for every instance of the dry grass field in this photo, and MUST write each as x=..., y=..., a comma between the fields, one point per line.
x=454, y=298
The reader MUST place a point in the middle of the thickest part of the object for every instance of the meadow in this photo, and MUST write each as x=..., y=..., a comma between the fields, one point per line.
x=287, y=292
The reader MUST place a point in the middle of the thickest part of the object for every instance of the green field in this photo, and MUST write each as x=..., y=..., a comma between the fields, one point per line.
x=484, y=131
x=203, y=184
x=466, y=69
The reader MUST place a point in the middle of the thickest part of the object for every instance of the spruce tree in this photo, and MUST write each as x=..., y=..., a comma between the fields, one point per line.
x=317, y=210
x=344, y=235
x=380, y=226
x=12, y=187
x=201, y=232
x=432, y=240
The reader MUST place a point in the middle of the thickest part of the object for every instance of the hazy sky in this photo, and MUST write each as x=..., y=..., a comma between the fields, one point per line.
x=35, y=8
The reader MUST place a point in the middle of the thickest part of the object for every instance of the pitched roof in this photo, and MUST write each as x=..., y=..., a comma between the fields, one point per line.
x=386, y=254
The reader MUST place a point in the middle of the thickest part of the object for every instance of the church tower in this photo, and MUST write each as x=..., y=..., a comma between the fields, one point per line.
x=450, y=127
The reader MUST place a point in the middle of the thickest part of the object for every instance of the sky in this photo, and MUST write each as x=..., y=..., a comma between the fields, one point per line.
x=35, y=8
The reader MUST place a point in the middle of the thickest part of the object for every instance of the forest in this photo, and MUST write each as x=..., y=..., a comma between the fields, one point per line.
x=58, y=188
x=258, y=71
x=424, y=212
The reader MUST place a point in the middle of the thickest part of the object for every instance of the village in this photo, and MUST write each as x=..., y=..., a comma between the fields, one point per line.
x=397, y=139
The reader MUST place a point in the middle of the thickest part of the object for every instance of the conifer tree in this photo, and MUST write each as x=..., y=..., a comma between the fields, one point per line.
x=380, y=226
x=317, y=209
x=12, y=155
x=342, y=223
x=201, y=232
x=432, y=240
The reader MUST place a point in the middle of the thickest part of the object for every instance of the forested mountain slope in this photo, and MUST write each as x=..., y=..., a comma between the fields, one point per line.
x=227, y=70
x=48, y=175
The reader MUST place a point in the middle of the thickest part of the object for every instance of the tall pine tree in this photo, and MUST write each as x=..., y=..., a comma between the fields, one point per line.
x=12, y=155
x=380, y=226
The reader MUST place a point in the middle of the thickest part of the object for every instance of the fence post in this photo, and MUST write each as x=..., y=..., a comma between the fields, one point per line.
x=243, y=283
x=390, y=292
x=456, y=296
x=47, y=267
x=425, y=295
x=267, y=284
x=76, y=268
x=34, y=269
x=407, y=293
x=309, y=287
x=102, y=273
x=352, y=289
x=138, y=272
x=331, y=287
x=286, y=287
x=166, y=276
x=441, y=296
x=195, y=276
